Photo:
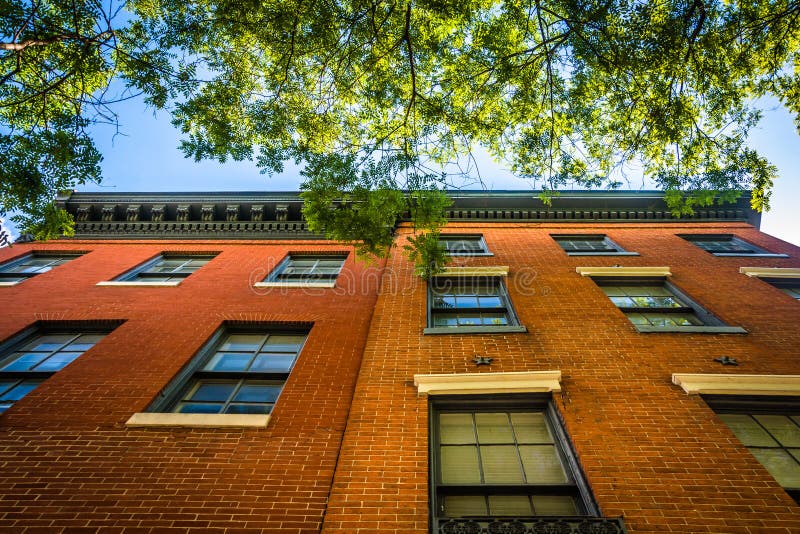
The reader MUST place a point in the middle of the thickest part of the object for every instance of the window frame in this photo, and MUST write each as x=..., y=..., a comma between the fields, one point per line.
x=757, y=252
x=68, y=255
x=275, y=278
x=16, y=342
x=758, y=405
x=781, y=283
x=578, y=488
x=139, y=275
x=607, y=241
x=465, y=237
x=711, y=323
x=513, y=325
x=186, y=379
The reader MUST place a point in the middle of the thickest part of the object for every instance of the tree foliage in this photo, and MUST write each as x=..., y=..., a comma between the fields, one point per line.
x=376, y=97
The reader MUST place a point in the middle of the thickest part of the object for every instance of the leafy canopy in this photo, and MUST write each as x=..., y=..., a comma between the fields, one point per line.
x=378, y=97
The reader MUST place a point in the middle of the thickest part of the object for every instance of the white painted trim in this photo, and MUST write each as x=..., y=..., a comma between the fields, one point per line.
x=770, y=272
x=6, y=284
x=623, y=271
x=719, y=384
x=140, y=284
x=331, y=283
x=488, y=383
x=495, y=270
x=212, y=420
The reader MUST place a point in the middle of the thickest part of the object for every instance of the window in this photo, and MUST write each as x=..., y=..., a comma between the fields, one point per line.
x=653, y=304
x=30, y=265
x=240, y=372
x=167, y=268
x=727, y=245
x=474, y=303
x=790, y=286
x=464, y=245
x=770, y=429
x=303, y=269
x=501, y=457
x=590, y=245
x=28, y=363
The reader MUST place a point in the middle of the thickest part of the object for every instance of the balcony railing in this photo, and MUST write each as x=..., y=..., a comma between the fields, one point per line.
x=532, y=525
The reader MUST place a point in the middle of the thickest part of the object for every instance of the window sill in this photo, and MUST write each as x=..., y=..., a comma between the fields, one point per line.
x=139, y=284
x=197, y=420
x=691, y=329
x=475, y=330
x=732, y=384
x=472, y=254
x=331, y=283
x=738, y=255
x=9, y=284
x=602, y=253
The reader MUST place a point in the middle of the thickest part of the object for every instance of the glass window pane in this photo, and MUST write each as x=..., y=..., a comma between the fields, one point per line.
x=16, y=393
x=6, y=384
x=469, y=319
x=445, y=320
x=542, y=465
x=284, y=343
x=747, y=430
x=466, y=302
x=242, y=342
x=490, y=302
x=460, y=464
x=464, y=505
x=493, y=428
x=554, y=505
x=25, y=361
x=782, y=428
x=510, y=505
x=85, y=342
x=456, y=428
x=48, y=342
x=212, y=391
x=57, y=361
x=530, y=427
x=494, y=319
x=781, y=465
x=249, y=408
x=4, y=406
x=501, y=464
x=258, y=392
x=187, y=407
x=273, y=363
x=226, y=361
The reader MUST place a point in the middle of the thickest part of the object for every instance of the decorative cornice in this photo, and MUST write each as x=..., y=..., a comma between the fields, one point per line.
x=719, y=384
x=146, y=213
x=770, y=272
x=489, y=383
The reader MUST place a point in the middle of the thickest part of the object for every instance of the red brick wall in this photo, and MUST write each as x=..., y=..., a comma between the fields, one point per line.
x=650, y=452
x=66, y=458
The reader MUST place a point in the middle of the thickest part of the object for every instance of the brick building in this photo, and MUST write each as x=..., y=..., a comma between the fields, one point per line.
x=594, y=367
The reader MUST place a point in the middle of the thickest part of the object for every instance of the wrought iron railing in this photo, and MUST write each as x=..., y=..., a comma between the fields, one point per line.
x=532, y=525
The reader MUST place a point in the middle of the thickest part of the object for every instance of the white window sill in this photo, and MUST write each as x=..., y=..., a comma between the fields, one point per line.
x=140, y=284
x=745, y=255
x=623, y=271
x=331, y=283
x=489, y=383
x=691, y=329
x=732, y=384
x=770, y=272
x=508, y=329
x=196, y=420
x=5, y=284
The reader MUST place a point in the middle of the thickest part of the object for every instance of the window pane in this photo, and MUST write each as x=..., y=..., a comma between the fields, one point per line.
x=501, y=464
x=531, y=428
x=16, y=393
x=747, y=430
x=57, y=361
x=4, y=406
x=242, y=342
x=490, y=302
x=456, y=428
x=249, y=408
x=226, y=361
x=493, y=428
x=554, y=505
x=782, y=428
x=258, y=392
x=213, y=391
x=49, y=342
x=510, y=505
x=466, y=301
x=469, y=319
x=445, y=320
x=284, y=343
x=187, y=407
x=277, y=363
x=781, y=465
x=494, y=319
x=25, y=361
x=464, y=505
x=460, y=465
x=85, y=342
x=542, y=465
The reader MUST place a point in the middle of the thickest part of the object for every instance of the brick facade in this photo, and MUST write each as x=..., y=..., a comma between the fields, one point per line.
x=347, y=447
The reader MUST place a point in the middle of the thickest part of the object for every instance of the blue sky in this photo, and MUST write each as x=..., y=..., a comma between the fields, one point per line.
x=145, y=157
